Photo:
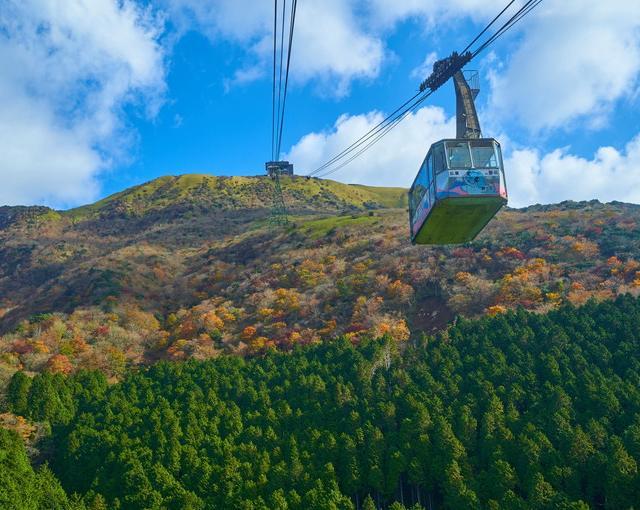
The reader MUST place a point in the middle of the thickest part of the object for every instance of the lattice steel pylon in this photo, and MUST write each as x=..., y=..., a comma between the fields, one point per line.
x=275, y=169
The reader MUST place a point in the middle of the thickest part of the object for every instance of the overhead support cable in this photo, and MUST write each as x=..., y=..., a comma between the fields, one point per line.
x=524, y=10
x=273, y=96
x=488, y=26
x=294, y=5
x=378, y=135
x=277, y=123
x=369, y=134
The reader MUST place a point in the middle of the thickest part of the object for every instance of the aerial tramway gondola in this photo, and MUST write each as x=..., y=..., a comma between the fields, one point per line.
x=460, y=185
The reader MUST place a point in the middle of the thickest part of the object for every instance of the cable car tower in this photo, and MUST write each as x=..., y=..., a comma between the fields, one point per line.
x=278, y=209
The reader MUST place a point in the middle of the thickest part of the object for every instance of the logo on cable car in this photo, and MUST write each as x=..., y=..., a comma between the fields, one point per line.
x=475, y=182
x=468, y=182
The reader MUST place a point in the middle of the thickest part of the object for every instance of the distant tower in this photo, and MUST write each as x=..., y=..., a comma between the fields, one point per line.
x=278, y=210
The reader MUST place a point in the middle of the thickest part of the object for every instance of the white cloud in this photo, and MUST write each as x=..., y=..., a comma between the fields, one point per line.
x=244, y=75
x=330, y=44
x=575, y=60
x=387, y=13
x=394, y=161
x=238, y=20
x=425, y=69
x=69, y=66
x=610, y=175
x=333, y=47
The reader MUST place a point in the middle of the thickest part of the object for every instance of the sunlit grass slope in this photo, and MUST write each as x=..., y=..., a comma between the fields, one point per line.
x=243, y=192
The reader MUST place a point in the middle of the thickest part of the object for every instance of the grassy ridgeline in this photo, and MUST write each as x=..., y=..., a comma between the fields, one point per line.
x=517, y=411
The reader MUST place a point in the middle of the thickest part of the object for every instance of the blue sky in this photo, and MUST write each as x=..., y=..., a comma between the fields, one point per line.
x=98, y=95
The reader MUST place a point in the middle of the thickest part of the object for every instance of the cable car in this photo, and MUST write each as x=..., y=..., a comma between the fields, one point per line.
x=460, y=186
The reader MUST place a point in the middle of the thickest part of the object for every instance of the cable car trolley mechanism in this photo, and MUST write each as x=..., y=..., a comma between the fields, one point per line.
x=460, y=185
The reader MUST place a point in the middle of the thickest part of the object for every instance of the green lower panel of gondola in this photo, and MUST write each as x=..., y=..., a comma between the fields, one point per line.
x=458, y=220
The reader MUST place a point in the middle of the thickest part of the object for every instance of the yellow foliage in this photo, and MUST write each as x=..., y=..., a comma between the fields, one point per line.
x=41, y=347
x=400, y=291
x=212, y=322
x=266, y=312
x=258, y=343
x=360, y=267
x=537, y=263
x=582, y=246
x=463, y=277
x=522, y=271
x=400, y=331
x=494, y=310
x=226, y=315
x=172, y=320
x=287, y=300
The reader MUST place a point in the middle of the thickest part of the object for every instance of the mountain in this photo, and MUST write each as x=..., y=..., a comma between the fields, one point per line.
x=388, y=395
x=189, y=266
x=56, y=260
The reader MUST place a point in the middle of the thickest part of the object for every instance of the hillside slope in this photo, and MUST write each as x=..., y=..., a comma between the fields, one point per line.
x=188, y=267
x=57, y=260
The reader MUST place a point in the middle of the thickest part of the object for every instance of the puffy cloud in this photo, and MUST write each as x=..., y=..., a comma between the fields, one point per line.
x=609, y=175
x=575, y=59
x=394, y=161
x=389, y=12
x=68, y=69
x=239, y=20
x=332, y=47
x=423, y=70
x=330, y=44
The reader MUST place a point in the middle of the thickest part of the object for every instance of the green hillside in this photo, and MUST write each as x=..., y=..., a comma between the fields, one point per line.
x=301, y=194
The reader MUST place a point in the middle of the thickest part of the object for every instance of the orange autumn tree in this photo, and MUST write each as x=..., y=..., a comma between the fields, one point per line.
x=59, y=363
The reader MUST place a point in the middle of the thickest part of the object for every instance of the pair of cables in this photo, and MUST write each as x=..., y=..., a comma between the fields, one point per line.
x=375, y=134
x=279, y=96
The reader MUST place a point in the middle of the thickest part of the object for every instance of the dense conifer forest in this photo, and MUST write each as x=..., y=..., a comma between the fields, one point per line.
x=516, y=411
